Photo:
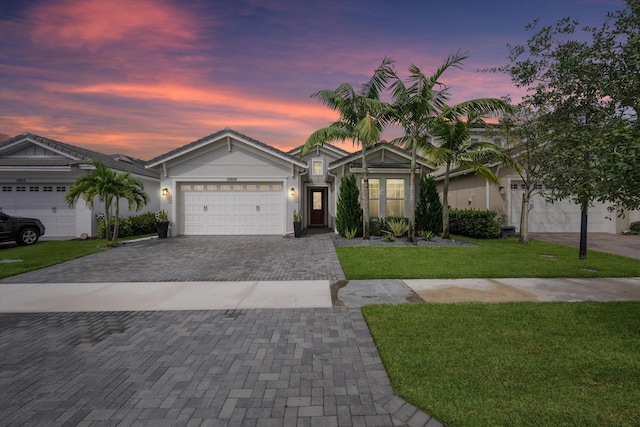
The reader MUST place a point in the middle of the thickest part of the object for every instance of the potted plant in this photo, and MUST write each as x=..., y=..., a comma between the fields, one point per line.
x=297, y=223
x=162, y=224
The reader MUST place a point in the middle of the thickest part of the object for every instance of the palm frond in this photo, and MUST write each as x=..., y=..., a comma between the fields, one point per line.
x=337, y=131
x=367, y=131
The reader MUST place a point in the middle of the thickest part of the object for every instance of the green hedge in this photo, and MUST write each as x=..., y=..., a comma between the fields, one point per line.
x=479, y=224
x=131, y=226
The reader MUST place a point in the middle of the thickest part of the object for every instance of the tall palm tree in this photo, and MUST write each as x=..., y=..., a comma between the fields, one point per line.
x=362, y=118
x=132, y=190
x=416, y=105
x=96, y=184
x=455, y=147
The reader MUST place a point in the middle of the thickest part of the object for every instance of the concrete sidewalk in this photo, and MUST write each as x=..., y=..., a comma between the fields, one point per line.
x=162, y=296
x=170, y=296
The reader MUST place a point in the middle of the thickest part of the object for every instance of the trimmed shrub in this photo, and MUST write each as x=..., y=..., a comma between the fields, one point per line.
x=349, y=211
x=377, y=226
x=635, y=226
x=131, y=226
x=429, y=209
x=479, y=224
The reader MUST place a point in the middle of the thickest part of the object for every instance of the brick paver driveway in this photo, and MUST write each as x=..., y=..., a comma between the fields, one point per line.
x=264, y=367
x=296, y=367
x=201, y=258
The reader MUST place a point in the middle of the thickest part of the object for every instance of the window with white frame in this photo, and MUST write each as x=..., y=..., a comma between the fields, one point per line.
x=374, y=196
x=317, y=167
x=395, y=197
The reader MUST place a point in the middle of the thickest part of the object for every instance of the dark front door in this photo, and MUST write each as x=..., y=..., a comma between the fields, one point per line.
x=317, y=207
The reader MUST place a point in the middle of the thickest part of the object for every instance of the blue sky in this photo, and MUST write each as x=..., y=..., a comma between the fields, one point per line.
x=142, y=77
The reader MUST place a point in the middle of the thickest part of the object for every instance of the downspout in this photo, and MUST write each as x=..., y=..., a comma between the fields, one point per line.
x=486, y=181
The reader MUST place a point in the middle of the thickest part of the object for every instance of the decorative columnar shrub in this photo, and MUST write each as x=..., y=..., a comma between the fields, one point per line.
x=429, y=208
x=349, y=210
x=479, y=224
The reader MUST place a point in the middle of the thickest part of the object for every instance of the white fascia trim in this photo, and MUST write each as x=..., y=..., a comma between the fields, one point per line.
x=225, y=179
x=35, y=169
x=62, y=153
x=382, y=170
x=224, y=137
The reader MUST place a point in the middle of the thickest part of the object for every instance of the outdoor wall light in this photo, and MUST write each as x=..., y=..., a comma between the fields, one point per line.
x=293, y=192
x=165, y=192
x=501, y=189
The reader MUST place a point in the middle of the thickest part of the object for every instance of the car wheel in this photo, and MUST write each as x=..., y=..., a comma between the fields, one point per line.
x=27, y=236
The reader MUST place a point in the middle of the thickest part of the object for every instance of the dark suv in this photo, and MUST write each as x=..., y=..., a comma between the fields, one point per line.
x=25, y=231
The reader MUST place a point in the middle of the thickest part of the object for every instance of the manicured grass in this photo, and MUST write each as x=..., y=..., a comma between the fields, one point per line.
x=490, y=258
x=44, y=254
x=514, y=364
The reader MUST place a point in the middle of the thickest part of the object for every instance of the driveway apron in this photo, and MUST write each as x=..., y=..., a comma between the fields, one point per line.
x=201, y=258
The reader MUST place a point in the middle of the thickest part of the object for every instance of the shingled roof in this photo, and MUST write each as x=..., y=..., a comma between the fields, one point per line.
x=76, y=156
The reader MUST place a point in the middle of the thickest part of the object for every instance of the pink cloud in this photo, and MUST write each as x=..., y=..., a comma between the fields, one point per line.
x=96, y=23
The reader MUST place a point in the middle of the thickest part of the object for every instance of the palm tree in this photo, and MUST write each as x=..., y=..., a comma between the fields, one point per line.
x=132, y=190
x=416, y=105
x=362, y=118
x=455, y=147
x=107, y=185
x=95, y=184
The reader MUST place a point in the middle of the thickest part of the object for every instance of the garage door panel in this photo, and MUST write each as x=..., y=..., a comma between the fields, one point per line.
x=43, y=201
x=210, y=209
x=562, y=216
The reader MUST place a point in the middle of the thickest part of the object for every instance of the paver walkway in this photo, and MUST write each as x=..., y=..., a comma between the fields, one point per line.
x=295, y=367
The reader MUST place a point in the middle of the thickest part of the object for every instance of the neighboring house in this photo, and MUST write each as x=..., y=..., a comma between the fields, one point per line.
x=467, y=190
x=36, y=172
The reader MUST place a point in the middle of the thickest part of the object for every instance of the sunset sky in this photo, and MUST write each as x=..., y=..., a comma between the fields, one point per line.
x=142, y=77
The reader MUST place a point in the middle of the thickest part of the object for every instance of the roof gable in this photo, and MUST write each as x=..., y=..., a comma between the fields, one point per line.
x=332, y=150
x=226, y=133
x=377, y=151
x=30, y=150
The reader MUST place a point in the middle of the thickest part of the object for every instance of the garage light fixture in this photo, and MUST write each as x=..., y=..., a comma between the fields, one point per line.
x=165, y=192
x=293, y=193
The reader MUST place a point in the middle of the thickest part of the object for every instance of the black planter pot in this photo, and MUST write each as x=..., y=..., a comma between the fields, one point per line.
x=297, y=229
x=163, y=229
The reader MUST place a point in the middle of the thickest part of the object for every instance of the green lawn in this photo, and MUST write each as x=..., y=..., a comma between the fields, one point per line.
x=44, y=254
x=490, y=258
x=514, y=364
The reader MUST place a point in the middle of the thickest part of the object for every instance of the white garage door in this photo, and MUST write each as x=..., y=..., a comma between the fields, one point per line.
x=231, y=209
x=42, y=201
x=562, y=216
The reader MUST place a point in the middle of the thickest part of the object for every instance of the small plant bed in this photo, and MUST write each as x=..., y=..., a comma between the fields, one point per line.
x=514, y=364
x=477, y=258
x=383, y=240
